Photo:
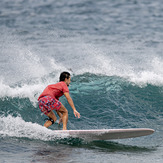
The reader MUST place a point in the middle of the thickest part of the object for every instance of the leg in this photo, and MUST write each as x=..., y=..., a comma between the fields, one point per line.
x=64, y=113
x=60, y=115
x=52, y=116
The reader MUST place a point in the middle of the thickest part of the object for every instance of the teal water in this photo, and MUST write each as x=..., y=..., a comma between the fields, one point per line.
x=113, y=51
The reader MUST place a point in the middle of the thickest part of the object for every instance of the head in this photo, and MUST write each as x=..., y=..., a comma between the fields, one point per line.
x=65, y=76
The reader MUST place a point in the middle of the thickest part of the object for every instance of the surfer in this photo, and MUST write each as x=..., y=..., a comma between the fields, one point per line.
x=49, y=100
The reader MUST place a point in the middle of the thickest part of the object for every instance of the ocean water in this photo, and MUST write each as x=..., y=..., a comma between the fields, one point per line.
x=113, y=49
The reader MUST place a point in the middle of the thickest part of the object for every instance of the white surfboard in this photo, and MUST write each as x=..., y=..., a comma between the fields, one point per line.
x=106, y=134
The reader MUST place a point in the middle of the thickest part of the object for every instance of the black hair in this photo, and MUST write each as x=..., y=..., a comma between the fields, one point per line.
x=64, y=75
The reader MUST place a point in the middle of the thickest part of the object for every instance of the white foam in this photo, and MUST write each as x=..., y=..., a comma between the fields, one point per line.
x=24, y=91
x=141, y=69
x=97, y=65
x=17, y=127
x=23, y=64
x=136, y=63
x=152, y=73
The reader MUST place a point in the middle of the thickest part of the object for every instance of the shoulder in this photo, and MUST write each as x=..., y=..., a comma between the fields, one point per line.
x=62, y=84
x=57, y=84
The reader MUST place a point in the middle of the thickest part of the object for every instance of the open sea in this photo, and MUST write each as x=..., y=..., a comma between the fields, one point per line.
x=114, y=51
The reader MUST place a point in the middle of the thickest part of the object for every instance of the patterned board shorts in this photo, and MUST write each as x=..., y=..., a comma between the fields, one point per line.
x=47, y=103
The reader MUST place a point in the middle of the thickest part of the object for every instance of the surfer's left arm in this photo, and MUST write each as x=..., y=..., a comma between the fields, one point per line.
x=71, y=103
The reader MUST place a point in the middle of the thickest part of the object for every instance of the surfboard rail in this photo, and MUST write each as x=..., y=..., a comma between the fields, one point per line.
x=107, y=134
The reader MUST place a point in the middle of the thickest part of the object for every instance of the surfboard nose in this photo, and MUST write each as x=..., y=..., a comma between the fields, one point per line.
x=151, y=131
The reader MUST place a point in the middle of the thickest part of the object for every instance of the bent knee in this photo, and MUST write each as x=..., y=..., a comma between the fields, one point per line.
x=66, y=111
x=63, y=110
x=54, y=118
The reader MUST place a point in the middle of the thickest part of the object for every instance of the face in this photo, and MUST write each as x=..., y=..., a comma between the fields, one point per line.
x=68, y=81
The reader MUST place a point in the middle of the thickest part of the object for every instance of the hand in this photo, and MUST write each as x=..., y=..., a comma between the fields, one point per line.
x=76, y=113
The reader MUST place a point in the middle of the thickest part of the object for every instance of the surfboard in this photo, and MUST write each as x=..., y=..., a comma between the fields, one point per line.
x=106, y=134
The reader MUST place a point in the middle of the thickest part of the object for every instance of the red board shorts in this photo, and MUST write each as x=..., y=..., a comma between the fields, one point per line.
x=47, y=103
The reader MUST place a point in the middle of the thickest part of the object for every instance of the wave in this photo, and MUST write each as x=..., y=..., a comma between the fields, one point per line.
x=17, y=127
x=135, y=62
x=103, y=102
x=115, y=102
x=34, y=87
x=119, y=85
